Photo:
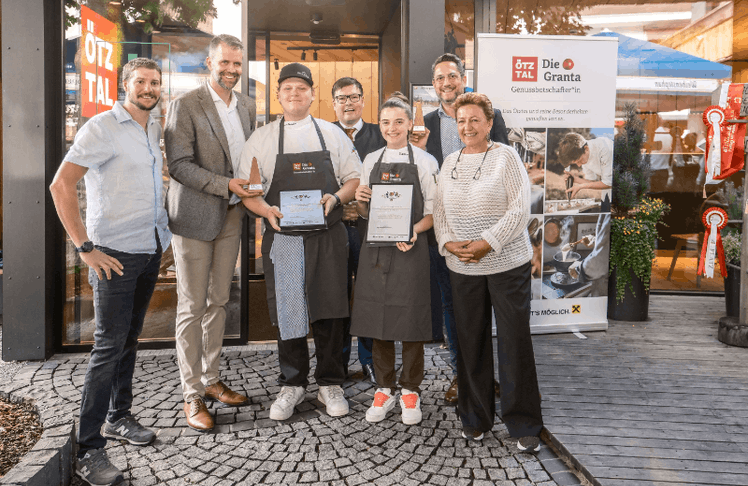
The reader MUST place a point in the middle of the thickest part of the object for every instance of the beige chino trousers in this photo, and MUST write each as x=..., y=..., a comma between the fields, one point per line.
x=205, y=270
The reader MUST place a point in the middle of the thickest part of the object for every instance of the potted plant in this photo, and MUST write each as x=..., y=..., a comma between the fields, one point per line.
x=731, y=241
x=633, y=231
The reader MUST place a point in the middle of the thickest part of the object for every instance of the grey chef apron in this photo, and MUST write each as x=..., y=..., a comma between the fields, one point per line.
x=325, y=250
x=393, y=292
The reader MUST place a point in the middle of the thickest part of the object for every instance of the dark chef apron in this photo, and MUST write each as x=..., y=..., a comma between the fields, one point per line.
x=393, y=295
x=325, y=251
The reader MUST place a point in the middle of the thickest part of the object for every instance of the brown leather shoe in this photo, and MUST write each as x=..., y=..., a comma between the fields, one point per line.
x=197, y=415
x=219, y=391
x=451, y=395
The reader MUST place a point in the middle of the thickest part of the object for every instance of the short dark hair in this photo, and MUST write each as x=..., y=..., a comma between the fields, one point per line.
x=137, y=63
x=477, y=99
x=448, y=57
x=570, y=148
x=345, y=82
x=227, y=39
x=398, y=100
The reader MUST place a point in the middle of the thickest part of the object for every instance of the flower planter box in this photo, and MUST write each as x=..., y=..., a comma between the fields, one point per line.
x=635, y=304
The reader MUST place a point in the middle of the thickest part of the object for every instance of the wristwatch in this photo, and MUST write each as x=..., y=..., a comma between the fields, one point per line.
x=338, y=200
x=86, y=247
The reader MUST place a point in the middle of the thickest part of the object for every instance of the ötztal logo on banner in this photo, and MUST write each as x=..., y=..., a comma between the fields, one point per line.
x=525, y=69
x=99, y=63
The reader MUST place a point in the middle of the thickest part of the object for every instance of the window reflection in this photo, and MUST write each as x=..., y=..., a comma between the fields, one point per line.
x=178, y=41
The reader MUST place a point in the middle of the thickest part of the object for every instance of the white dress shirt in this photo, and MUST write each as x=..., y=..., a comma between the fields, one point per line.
x=232, y=125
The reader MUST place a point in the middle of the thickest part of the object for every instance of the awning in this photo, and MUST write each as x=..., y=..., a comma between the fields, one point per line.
x=647, y=59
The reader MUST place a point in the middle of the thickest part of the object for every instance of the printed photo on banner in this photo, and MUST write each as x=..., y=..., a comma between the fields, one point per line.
x=426, y=94
x=530, y=144
x=579, y=170
x=575, y=254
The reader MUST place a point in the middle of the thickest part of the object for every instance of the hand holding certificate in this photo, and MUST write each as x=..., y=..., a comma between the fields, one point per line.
x=390, y=214
x=302, y=210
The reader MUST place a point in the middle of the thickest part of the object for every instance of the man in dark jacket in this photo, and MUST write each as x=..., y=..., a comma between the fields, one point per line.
x=441, y=139
x=348, y=103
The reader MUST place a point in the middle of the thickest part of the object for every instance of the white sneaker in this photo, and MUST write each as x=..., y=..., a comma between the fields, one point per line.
x=410, y=404
x=334, y=399
x=287, y=399
x=384, y=401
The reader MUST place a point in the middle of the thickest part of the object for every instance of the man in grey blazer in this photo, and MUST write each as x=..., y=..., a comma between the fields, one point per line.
x=204, y=135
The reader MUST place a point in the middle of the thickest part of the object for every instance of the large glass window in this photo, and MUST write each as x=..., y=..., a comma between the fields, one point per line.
x=101, y=37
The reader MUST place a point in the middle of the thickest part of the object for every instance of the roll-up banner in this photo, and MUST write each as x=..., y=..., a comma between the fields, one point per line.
x=557, y=96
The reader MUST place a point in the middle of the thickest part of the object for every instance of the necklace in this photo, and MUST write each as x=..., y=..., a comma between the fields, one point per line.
x=476, y=176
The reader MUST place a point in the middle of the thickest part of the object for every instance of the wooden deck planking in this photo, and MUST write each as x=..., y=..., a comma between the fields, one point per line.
x=642, y=404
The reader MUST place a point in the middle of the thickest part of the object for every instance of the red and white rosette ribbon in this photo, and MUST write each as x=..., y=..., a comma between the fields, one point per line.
x=715, y=120
x=714, y=219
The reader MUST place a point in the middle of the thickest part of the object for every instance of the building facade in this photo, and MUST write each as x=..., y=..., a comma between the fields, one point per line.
x=62, y=66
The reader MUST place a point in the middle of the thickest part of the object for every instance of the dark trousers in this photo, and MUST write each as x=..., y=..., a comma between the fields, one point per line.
x=364, y=344
x=442, y=310
x=411, y=375
x=293, y=355
x=509, y=293
x=120, y=305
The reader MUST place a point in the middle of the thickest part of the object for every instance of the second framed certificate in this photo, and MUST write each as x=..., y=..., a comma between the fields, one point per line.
x=390, y=214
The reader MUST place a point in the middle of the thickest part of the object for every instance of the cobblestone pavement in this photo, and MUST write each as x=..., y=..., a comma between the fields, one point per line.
x=246, y=447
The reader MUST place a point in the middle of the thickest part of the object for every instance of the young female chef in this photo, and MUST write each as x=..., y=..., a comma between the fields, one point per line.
x=392, y=301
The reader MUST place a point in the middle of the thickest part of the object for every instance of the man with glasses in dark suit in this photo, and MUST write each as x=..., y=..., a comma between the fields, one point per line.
x=348, y=103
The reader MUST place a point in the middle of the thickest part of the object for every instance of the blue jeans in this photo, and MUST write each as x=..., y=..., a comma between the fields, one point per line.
x=364, y=344
x=120, y=305
x=442, y=310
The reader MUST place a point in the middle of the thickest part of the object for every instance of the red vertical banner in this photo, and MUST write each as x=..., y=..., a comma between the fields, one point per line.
x=99, y=63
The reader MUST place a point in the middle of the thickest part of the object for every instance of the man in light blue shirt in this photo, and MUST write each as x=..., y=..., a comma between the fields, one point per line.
x=118, y=154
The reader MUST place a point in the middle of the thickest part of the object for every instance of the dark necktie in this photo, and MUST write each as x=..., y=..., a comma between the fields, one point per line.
x=349, y=132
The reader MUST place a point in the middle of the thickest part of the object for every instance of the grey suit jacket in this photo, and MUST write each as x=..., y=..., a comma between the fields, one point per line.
x=199, y=161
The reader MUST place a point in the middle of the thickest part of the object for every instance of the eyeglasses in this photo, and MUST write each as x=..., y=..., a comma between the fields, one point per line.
x=454, y=77
x=455, y=175
x=355, y=98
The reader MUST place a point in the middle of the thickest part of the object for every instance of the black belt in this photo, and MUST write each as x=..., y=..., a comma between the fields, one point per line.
x=352, y=223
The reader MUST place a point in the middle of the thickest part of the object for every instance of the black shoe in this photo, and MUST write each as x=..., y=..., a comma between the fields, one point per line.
x=529, y=444
x=473, y=435
x=368, y=371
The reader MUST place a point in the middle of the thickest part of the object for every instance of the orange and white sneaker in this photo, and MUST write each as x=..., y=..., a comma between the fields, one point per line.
x=410, y=403
x=384, y=401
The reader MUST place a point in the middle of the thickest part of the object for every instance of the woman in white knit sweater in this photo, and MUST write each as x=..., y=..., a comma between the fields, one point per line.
x=481, y=212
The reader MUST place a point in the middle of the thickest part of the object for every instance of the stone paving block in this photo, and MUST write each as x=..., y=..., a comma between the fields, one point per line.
x=144, y=481
x=537, y=475
x=508, y=462
x=309, y=477
x=165, y=474
x=515, y=473
x=237, y=475
x=438, y=480
x=565, y=478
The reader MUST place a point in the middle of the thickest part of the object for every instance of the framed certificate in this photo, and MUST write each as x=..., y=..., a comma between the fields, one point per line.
x=390, y=214
x=302, y=210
